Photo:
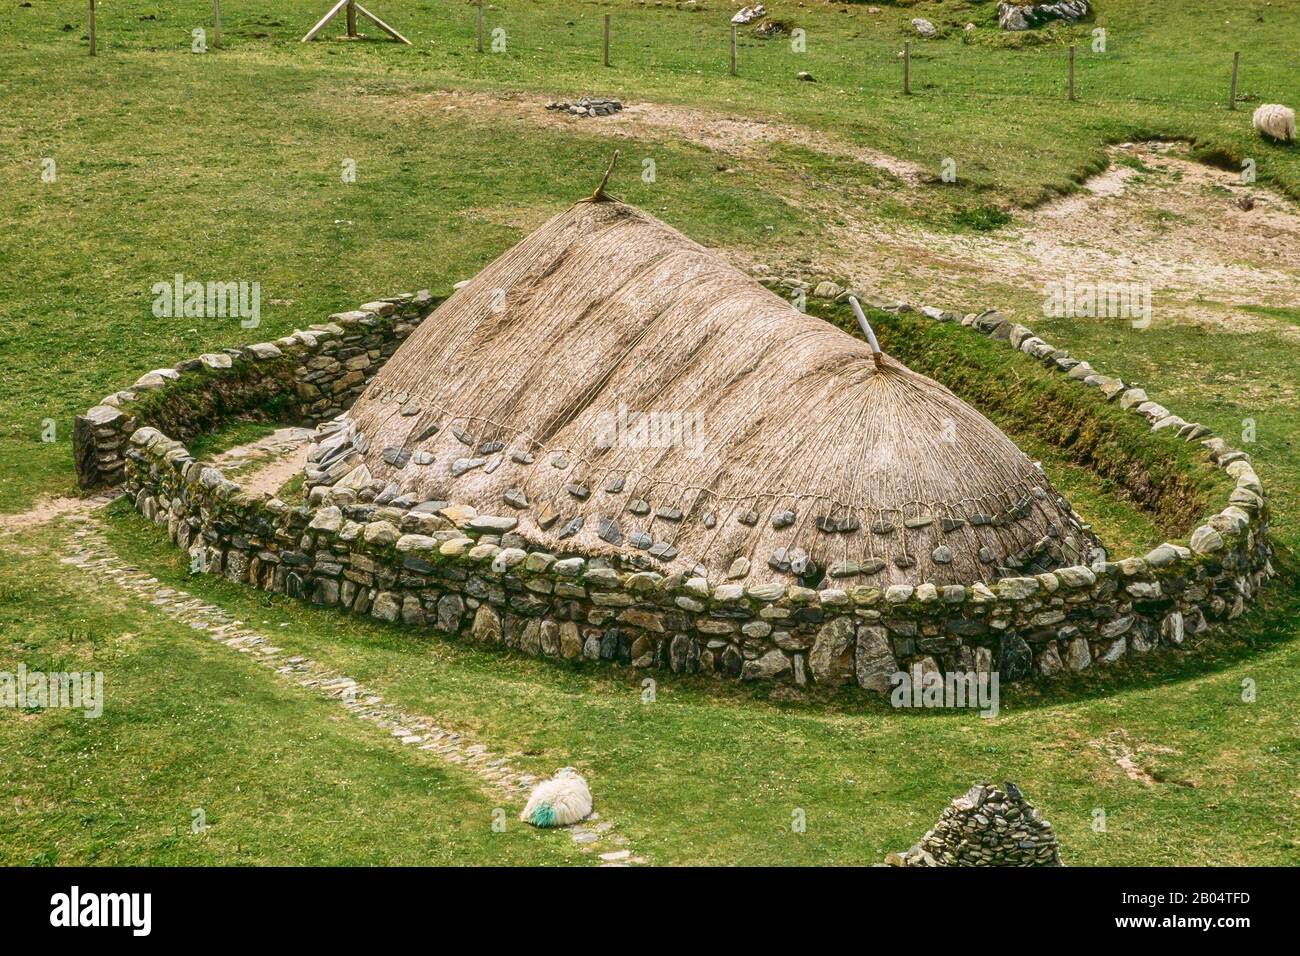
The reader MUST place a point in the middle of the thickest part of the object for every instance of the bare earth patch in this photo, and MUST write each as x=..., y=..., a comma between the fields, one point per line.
x=1127, y=756
x=732, y=134
x=1176, y=226
x=1154, y=217
x=654, y=122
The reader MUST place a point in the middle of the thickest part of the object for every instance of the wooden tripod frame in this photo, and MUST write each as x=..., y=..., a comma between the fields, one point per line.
x=353, y=9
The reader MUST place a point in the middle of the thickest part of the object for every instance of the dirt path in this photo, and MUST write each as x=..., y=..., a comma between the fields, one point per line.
x=47, y=509
x=266, y=464
x=276, y=458
x=732, y=134
x=1165, y=221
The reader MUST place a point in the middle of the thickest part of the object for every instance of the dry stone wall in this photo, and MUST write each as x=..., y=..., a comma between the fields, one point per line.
x=445, y=567
x=318, y=371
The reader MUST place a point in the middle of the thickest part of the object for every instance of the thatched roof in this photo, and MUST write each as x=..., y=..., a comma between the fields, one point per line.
x=519, y=397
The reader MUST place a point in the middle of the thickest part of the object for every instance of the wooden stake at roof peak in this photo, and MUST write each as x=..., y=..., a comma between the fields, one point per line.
x=867, y=331
x=599, y=195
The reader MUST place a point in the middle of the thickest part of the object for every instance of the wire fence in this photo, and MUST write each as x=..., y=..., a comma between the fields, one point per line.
x=1102, y=70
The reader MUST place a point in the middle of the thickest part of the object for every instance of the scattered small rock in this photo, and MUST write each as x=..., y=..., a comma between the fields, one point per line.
x=588, y=106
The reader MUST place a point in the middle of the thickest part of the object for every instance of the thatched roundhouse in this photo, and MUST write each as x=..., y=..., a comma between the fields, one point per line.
x=610, y=388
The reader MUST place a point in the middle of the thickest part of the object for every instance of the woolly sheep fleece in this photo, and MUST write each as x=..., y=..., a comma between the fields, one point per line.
x=558, y=802
x=1276, y=121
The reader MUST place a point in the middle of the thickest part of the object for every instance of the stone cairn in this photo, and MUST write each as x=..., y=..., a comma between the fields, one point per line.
x=987, y=826
x=588, y=106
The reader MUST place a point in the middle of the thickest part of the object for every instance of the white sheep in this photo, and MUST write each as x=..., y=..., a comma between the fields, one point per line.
x=1276, y=122
x=558, y=802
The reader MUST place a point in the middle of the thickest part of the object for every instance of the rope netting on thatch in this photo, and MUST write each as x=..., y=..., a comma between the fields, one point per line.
x=620, y=389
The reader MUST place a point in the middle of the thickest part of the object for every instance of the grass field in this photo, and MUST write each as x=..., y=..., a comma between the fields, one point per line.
x=226, y=165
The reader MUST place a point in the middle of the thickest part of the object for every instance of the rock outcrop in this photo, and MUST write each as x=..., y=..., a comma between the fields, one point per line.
x=1025, y=16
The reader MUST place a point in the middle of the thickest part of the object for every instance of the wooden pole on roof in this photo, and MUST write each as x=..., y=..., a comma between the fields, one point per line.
x=599, y=195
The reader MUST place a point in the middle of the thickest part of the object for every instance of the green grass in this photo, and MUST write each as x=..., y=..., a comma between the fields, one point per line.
x=711, y=772
x=293, y=489
x=227, y=166
x=981, y=218
x=281, y=776
x=228, y=436
x=1123, y=527
x=1282, y=313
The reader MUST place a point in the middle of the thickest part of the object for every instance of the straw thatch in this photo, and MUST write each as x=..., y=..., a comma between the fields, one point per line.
x=790, y=450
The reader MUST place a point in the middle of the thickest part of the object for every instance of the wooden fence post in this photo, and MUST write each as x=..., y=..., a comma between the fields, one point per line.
x=216, y=23
x=1232, y=97
x=352, y=18
x=1071, y=74
x=907, y=67
x=733, y=49
x=91, y=32
x=480, y=26
x=607, y=39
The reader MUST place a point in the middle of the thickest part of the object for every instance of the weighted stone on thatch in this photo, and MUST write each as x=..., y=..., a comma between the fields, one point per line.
x=798, y=418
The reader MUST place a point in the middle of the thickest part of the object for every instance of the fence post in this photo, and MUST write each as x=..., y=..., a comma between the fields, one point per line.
x=607, y=39
x=91, y=31
x=733, y=49
x=1071, y=74
x=352, y=18
x=216, y=23
x=907, y=67
x=480, y=26
x=1232, y=97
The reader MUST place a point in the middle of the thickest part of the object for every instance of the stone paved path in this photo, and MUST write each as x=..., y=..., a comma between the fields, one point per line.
x=91, y=552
